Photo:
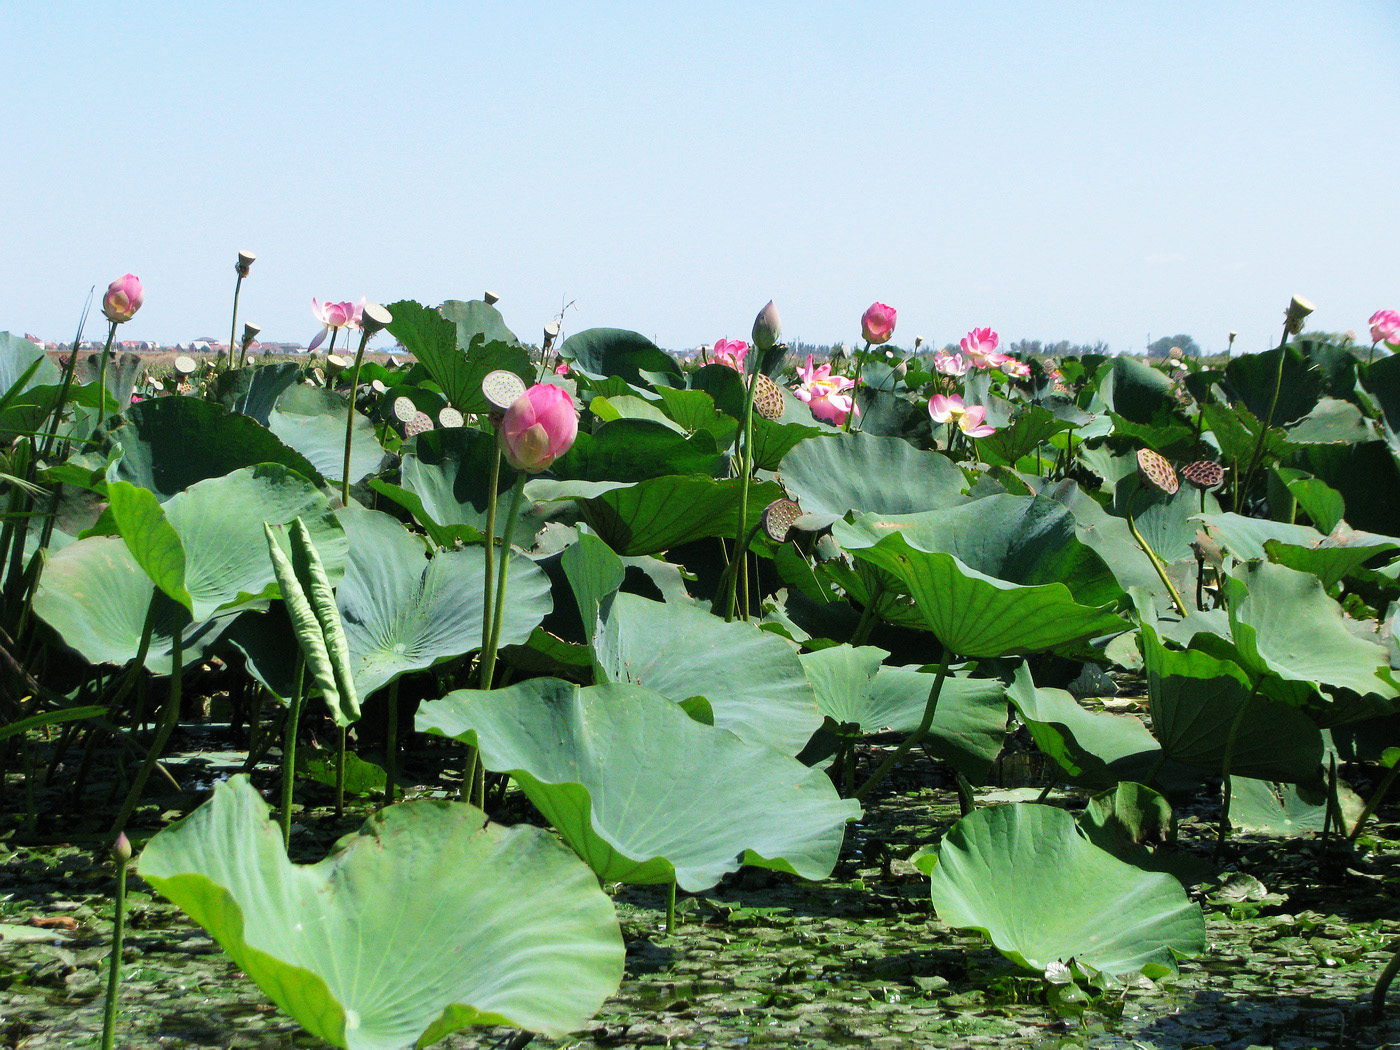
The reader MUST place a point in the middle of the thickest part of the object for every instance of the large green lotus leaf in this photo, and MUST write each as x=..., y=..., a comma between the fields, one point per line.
x=644, y=792
x=150, y=537
x=660, y=513
x=1286, y=809
x=458, y=345
x=617, y=352
x=1236, y=433
x=594, y=573
x=404, y=612
x=1033, y=425
x=254, y=391
x=1027, y=877
x=1366, y=475
x=853, y=687
x=1332, y=422
x=169, y=443
x=696, y=410
x=886, y=475
x=1108, y=536
x=974, y=609
x=1195, y=699
x=637, y=449
x=630, y=406
x=1166, y=522
x=1136, y=391
x=772, y=438
x=1285, y=625
x=429, y=919
x=311, y=420
x=752, y=679
x=95, y=595
x=1300, y=547
x=1254, y=378
x=1097, y=749
x=17, y=354
x=220, y=525
x=446, y=477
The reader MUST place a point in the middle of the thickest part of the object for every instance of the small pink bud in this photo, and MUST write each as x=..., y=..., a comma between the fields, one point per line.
x=877, y=323
x=121, y=849
x=539, y=428
x=124, y=297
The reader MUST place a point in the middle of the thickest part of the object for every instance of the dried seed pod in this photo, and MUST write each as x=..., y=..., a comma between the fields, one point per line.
x=404, y=409
x=768, y=397
x=420, y=422
x=1156, y=471
x=450, y=418
x=502, y=388
x=318, y=377
x=778, y=517
x=1203, y=474
x=1176, y=353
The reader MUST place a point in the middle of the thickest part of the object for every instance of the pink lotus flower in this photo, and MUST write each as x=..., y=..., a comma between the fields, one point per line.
x=1014, y=367
x=971, y=421
x=124, y=297
x=539, y=428
x=562, y=368
x=980, y=346
x=825, y=394
x=877, y=323
x=334, y=316
x=731, y=352
x=950, y=364
x=1385, y=327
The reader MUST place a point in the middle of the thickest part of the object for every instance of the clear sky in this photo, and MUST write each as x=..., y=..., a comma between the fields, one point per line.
x=1054, y=170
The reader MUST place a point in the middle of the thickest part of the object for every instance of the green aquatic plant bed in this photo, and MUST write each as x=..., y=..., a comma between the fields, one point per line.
x=766, y=959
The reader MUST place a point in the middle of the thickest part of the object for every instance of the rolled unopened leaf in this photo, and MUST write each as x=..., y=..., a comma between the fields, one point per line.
x=304, y=623
x=306, y=563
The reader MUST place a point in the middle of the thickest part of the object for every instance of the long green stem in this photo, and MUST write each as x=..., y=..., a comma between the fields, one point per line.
x=350, y=414
x=391, y=743
x=930, y=708
x=728, y=580
x=1245, y=483
x=1222, y=831
x=102, y=375
x=1157, y=564
x=671, y=905
x=1375, y=800
x=868, y=615
x=114, y=967
x=488, y=658
x=855, y=385
x=1383, y=986
x=289, y=747
x=488, y=581
x=340, y=772
x=169, y=718
x=745, y=458
x=233, y=325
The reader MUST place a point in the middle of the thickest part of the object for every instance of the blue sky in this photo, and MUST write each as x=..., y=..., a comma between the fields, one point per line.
x=1053, y=170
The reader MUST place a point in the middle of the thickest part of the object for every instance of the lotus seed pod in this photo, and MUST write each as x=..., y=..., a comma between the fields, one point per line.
x=185, y=365
x=778, y=517
x=502, y=389
x=250, y=332
x=403, y=409
x=1297, y=312
x=1156, y=471
x=1203, y=474
x=450, y=418
x=768, y=397
x=1176, y=353
x=377, y=387
x=335, y=364
x=244, y=263
x=374, y=318
x=420, y=422
x=318, y=377
x=551, y=332
x=490, y=297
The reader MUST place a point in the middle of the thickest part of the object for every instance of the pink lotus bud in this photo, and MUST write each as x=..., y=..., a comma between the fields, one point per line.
x=121, y=849
x=539, y=428
x=767, y=326
x=877, y=324
x=124, y=297
x=1385, y=326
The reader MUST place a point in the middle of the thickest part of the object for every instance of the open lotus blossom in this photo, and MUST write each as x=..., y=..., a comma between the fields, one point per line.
x=877, y=323
x=950, y=364
x=971, y=420
x=124, y=297
x=825, y=394
x=731, y=352
x=562, y=368
x=539, y=428
x=334, y=316
x=1013, y=366
x=980, y=346
x=1385, y=327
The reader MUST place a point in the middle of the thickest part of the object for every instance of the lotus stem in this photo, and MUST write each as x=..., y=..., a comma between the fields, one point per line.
x=391, y=743
x=233, y=325
x=868, y=615
x=746, y=468
x=1244, y=484
x=1383, y=985
x=122, y=851
x=350, y=412
x=289, y=747
x=340, y=772
x=855, y=384
x=169, y=717
x=488, y=658
x=101, y=375
x=1156, y=561
x=1375, y=800
x=671, y=904
x=882, y=770
x=488, y=580
x=1222, y=831
x=725, y=592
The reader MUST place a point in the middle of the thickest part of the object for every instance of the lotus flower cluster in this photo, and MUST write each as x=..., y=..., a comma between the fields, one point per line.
x=334, y=316
x=539, y=428
x=978, y=349
x=971, y=419
x=826, y=394
x=124, y=297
